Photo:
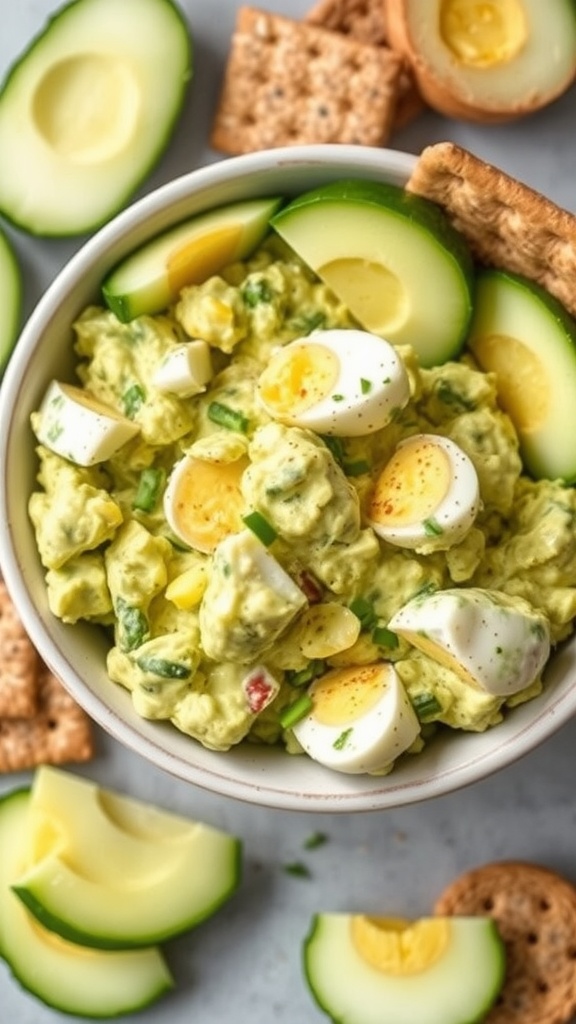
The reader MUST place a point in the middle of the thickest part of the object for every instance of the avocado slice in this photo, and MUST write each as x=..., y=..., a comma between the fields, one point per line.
x=527, y=338
x=87, y=111
x=451, y=973
x=68, y=977
x=11, y=292
x=110, y=872
x=392, y=257
x=148, y=280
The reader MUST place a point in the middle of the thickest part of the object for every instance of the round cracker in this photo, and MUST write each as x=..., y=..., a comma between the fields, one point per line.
x=535, y=910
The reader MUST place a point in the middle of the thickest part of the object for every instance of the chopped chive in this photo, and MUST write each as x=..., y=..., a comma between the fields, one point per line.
x=298, y=869
x=148, y=489
x=300, y=677
x=307, y=324
x=365, y=386
x=224, y=416
x=163, y=668
x=260, y=526
x=315, y=840
x=133, y=628
x=341, y=741
x=336, y=446
x=425, y=705
x=363, y=610
x=384, y=637
x=356, y=468
x=295, y=711
x=432, y=528
x=256, y=292
x=337, y=398
x=132, y=400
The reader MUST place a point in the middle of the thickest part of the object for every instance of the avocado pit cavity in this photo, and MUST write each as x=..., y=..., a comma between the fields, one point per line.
x=87, y=107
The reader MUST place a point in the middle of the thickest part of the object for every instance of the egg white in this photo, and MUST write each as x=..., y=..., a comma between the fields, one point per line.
x=338, y=382
x=185, y=369
x=365, y=722
x=491, y=641
x=77, y=426
x=427, y=496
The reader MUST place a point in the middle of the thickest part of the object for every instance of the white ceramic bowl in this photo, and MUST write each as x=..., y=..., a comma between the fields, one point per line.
x=77, y=653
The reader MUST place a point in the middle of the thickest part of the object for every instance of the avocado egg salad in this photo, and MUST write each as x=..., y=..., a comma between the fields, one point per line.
x=304, y=504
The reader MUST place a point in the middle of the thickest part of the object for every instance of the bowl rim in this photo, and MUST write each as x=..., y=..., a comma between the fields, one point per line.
x=347, y=793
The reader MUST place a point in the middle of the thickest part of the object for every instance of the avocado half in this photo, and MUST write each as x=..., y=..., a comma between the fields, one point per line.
x=88, y=110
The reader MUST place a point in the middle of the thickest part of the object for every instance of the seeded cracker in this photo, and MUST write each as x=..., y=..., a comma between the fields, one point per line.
x=508, y=225
x=289, y=83
x=535, y=910
x=59, y=732
x=19, y=663
x=365, y=21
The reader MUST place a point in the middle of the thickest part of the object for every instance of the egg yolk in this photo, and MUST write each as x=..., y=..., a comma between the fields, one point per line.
x=346, y=694
x=399, y=947
x=412, y=485
x=482, y=33
x=523, y=384
x=440, y=654
x=208, y=504
x=299, y=377
x=374, y=294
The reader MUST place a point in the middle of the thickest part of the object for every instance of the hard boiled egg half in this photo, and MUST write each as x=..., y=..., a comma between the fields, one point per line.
x=339, y=382
x=203, y=501
x=427, y=496
x=361, y=719
x=492, y=641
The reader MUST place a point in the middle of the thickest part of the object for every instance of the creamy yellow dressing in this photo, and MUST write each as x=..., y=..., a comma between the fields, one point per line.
x=188, y=623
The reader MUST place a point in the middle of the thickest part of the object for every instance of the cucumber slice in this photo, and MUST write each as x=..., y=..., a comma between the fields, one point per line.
x=458, y=986
x=151, y=278
x=88, y=110
x=113, y=873
x=11, y=294
x=70, y=978
x=393, y=258
x=528, y=339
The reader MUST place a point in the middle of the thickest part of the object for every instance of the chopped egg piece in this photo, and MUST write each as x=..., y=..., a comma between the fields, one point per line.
x=185, y=370
x=260, y=688
x=203, y=502
x=78, y=427
x=494, y=642
x=339, y=382
x=249, y=601
x=361, y=719
x=427, y=496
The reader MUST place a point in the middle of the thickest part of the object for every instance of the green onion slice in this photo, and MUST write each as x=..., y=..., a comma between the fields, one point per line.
x=148, y=490
x=384, y=637
x=426, y=705
x=292, y=714
x=224, y=416
x=259, y=525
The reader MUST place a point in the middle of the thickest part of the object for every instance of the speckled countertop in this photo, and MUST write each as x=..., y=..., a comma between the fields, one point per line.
x=244, y=965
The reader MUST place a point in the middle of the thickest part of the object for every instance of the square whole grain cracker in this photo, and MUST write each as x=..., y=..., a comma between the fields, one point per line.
x=289, y=83
x=508, y=225
x=59, y=732
x=19, y=663
x=366, y=21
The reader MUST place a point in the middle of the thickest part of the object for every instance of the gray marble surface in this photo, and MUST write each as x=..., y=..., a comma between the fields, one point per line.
x=245, y=964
